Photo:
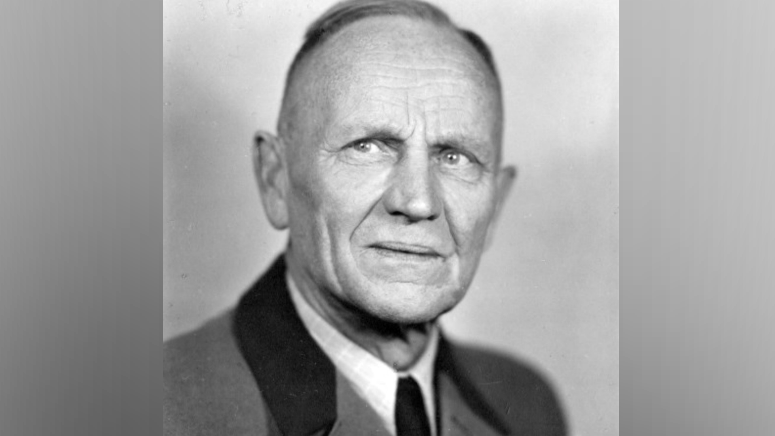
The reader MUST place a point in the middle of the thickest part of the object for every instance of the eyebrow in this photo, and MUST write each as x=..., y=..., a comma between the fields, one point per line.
x=365, y=129
x=465, y=142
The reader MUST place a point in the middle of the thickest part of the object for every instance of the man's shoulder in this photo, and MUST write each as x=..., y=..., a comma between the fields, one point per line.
x=208, y=384
x=489, y=365
x=517, y=391
x=204, y=356
x=194, y=345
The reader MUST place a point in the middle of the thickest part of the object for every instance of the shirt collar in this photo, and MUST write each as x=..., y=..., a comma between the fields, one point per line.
x=374, y=380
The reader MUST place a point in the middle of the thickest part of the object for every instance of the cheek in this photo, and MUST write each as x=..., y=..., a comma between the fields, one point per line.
x=469, y=212
x=337, y=199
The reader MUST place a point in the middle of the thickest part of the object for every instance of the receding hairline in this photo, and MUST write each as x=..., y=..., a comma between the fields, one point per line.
x=345, y=13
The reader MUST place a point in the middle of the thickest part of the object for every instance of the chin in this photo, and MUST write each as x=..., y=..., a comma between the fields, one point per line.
x=402, y=303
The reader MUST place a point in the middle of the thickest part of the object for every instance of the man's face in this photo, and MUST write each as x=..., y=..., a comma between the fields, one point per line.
x=392, y=168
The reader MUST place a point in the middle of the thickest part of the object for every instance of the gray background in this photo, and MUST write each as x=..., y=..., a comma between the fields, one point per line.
x=546, y=291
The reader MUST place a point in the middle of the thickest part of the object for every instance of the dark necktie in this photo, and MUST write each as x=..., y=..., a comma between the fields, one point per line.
x=411, y=419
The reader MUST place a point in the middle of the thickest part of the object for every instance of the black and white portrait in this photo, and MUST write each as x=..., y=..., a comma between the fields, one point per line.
x=391, y=217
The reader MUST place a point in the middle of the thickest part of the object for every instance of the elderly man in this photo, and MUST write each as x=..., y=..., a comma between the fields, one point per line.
x=386, y=170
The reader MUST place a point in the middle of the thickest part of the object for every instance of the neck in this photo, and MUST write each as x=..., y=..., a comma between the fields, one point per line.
x=398, y=345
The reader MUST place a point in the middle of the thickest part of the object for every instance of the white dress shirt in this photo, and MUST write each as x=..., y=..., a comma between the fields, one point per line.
x=374, y=380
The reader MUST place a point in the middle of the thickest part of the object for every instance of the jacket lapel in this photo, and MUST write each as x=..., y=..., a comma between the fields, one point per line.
x=295, y=377
x=456, y=417
x=462, y=409
x=300, y=384
x=356, y=417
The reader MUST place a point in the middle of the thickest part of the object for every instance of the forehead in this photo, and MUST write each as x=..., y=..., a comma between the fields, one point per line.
x=387, y=69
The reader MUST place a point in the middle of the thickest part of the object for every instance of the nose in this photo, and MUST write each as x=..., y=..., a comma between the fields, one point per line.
x=413, y=191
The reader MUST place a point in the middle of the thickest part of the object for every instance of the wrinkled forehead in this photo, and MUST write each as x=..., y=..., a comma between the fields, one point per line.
x=408, y=40
x=379, y=56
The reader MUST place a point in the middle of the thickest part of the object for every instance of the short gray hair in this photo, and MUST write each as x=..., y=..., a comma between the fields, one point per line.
x=350, y=11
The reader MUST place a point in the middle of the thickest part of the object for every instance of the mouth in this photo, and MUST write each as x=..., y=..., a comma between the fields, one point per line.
x=403, y=249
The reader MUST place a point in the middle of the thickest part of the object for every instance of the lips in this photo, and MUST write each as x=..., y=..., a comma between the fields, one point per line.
x=403, y=248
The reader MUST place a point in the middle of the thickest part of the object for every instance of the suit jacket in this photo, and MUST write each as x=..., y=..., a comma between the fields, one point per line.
x=256, y=371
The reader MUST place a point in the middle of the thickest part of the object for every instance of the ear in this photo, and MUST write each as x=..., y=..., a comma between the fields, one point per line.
x=269, y=166
x=503, y=183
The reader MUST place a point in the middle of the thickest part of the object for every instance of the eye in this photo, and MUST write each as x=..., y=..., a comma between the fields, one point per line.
x=367, y=152
x=454, y=158
x=365, y=146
